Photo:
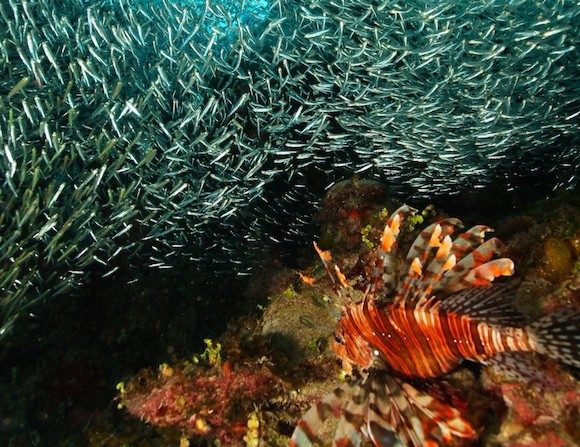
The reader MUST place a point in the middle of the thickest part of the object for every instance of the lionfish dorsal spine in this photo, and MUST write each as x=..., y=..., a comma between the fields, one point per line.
x=468, y=240
x=456, y=279
x=393, y=227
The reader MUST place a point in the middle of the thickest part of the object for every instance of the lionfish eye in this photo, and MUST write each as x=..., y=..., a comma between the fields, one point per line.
x=338, y=339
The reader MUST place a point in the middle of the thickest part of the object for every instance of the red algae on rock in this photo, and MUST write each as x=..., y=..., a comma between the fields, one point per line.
x=346, y=209
x=537, y=418
x=214, y=403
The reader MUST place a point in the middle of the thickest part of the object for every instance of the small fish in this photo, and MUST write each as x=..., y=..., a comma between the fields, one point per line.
x=20, y=85
x=307, y=279
x=420, y=322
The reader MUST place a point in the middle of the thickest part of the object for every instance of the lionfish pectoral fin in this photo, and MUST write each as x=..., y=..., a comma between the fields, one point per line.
x=432, y=420
x=399, y=415
x=558, y=336
x=379, y=424
x=305, y=433
x=490, y=304
x=348, y=431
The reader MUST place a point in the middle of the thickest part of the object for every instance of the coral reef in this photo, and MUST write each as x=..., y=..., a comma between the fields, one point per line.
x=216, y=403
x=537, y=415
x=137, y=133
x=61, y=372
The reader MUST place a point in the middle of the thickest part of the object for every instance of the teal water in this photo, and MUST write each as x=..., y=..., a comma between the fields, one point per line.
x=143, y=138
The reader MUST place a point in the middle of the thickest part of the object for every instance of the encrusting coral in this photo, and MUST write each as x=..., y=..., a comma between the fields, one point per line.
x=215, y=403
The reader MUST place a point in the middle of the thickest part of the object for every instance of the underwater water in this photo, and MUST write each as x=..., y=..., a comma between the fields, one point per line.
x=164, y=166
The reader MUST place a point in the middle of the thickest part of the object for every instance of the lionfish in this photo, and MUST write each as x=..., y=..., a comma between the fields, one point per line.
x=421, y=321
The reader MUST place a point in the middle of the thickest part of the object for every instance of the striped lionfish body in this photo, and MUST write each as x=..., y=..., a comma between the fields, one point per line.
x=421, y=321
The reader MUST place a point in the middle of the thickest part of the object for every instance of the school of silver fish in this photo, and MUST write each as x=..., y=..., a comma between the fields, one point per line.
x=156, y=129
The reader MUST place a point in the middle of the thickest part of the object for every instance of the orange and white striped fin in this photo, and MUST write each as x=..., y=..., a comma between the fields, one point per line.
x=466, y=242
x=348, y=431
x=401, y=415
x=383, y=275
x=343, y=288
x=431, y=247
x=453, y=280
x=408, y=286
x=305, y=433
x=483, y=275
x=430, y=238
x=389, y=411
x=442, y=261
x=379, y=425
x=439, y=421
x=393, y=227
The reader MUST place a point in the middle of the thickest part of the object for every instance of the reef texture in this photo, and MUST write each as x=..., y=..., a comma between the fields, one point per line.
x=215, y=403
x=286, y=365
x=138, y=133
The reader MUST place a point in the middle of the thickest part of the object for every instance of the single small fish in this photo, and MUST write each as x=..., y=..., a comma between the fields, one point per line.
x=421, y=322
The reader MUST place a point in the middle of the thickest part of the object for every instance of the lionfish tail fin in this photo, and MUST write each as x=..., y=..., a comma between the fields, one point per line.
x=305, y=433
x=558, y=336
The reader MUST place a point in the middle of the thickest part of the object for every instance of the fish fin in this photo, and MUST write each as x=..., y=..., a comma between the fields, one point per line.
x=522, y=367
x=483, y=275
x=488, y=304
x=305, y=433
x=326, y=258
x=379, y=423
x=400, y=415
x=408, y=285
x=339, y=280
x=393, y=228
x=558, y=336
x=348, y=430
x=442, y=261
x=474, y=268
x=412, y=275
x=465, y=242
x=430, y=238
x=431, y=248
x=440, y=421
x=381, y=272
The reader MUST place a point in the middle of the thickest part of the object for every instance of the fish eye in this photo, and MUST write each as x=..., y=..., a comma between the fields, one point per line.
x=338, y=338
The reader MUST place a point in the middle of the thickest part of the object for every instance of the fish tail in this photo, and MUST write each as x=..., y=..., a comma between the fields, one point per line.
x=558, y=336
